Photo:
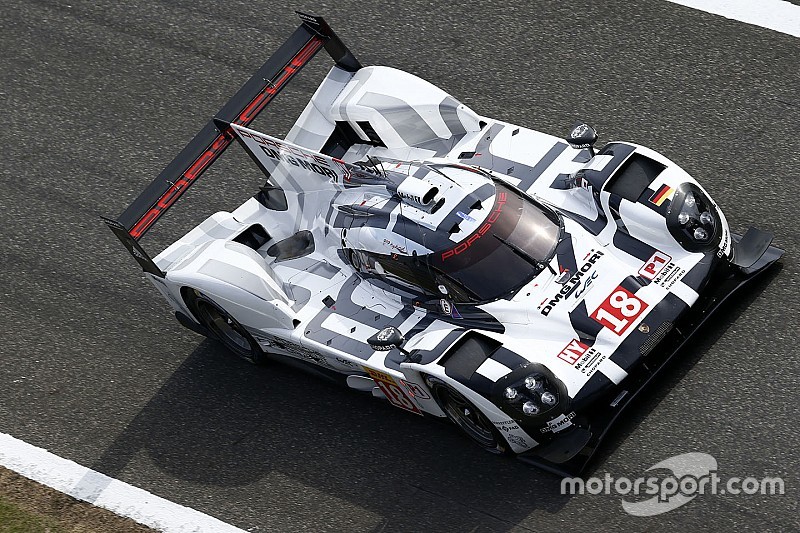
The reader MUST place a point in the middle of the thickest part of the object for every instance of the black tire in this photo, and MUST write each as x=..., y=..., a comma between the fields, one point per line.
x=469, y=419
x=224, y=327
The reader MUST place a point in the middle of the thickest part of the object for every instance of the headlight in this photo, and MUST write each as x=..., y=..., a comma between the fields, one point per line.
x=693, y=220
x=533, y=395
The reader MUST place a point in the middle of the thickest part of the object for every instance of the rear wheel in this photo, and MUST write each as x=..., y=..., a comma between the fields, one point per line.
x=467, y=417
x=225, y=328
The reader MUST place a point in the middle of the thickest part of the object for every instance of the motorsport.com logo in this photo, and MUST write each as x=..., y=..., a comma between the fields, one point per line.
x=689, y=475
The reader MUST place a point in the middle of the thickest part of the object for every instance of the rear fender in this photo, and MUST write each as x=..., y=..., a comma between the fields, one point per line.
x=239, y=280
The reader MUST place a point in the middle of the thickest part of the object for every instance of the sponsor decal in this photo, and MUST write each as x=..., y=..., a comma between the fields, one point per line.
x=448, y=308
x=409, y=196
x=487, y=225
x=368, y=167
x=506, y=426
x=465, y=216
x=662, y=195
x=415, y=390
x=345, y=362
x=669, y=276
x=654, y=265
x=724, y=247
x=510, y=429
x=518, y=440
x=572, y=283
x=579, y=131
x=393, y=392
x=586, y=285
x=292, y=159
x=394, y=246
x=313, y=357
x=573, y=351
x=289, y=348
x=619, y=310
x=590, y=361
x=559, y=423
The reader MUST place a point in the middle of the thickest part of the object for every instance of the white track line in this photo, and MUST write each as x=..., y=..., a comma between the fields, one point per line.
x=771, y=14
x=85, y=484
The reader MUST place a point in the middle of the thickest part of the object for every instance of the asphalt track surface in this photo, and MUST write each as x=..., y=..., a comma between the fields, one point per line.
x=98, y=96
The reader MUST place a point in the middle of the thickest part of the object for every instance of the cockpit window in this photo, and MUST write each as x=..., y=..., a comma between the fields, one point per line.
x=505, y=252
x=511, y=246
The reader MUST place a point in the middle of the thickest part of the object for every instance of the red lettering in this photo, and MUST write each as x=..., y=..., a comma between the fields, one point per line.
x=501, y=200
x=573, y=351
x=654, y=265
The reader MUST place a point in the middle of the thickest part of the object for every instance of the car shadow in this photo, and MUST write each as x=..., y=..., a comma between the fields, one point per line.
x=223, y=423
x=219, y=422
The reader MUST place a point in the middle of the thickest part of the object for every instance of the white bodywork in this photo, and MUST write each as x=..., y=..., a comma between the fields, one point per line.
x=283, y=302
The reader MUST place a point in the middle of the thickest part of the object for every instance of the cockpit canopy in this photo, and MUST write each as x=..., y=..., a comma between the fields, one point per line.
x=510, y=241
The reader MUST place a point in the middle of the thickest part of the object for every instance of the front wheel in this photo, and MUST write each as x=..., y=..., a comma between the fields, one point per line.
x=467, y=417
x=225, y=328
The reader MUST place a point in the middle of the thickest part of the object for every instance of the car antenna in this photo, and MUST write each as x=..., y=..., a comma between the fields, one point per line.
x=375, y=161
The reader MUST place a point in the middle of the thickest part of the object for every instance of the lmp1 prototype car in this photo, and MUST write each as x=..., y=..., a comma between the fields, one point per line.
x=524, y=286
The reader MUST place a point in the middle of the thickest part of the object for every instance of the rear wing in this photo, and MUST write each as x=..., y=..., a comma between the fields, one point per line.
x=312, y=35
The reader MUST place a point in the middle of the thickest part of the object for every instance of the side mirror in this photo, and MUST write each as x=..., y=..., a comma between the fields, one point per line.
x=386, y=339
x=582, y=135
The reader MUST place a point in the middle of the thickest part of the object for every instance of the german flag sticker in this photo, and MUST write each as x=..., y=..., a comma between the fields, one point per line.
x=662, y=194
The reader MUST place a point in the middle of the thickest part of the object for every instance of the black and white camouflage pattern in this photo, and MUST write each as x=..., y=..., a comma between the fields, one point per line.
x=608, y=242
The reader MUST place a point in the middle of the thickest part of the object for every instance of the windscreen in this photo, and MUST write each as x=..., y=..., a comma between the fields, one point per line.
x=504, y=253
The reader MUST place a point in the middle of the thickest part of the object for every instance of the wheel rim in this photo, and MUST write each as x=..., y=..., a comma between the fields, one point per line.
x=468, y=418
x=228, y=330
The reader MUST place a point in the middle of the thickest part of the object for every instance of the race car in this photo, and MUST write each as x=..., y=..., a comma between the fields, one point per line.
x=524, y=286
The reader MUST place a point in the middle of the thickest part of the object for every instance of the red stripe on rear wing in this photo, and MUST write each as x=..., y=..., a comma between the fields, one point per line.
x=246, y=104
x=220, y=141
x=209, y=144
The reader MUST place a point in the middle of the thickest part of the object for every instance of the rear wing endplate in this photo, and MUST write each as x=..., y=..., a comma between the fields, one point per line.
x=312, y=35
